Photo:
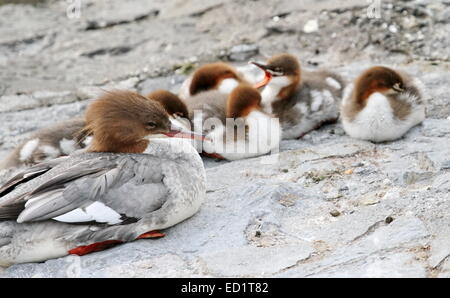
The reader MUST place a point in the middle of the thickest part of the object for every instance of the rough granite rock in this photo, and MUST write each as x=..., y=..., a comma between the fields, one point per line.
x=330, y=206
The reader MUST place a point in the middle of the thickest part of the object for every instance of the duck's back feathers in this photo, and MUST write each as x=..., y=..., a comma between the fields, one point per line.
x=28, y=175
x=315, y=102
x=94, y=178
x=212, y=104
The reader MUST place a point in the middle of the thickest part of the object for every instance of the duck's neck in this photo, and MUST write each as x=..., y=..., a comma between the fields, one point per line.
x=280, y=88
x=111, y=145
x=270, y=94
x=172, y=148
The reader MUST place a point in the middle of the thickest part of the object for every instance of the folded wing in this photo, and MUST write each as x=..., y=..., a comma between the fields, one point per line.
x=78, y=194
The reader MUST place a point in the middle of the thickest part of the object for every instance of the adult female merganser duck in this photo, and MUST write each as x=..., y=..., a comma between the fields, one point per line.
x=236, y=126
x=68, y=136
x=302, y=102
x=125, y=186
x=383, y=105
x=213, y=76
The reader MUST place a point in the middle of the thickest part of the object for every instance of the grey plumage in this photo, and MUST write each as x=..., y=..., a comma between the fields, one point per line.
x=210, y=103
x=206, y=105
x=303, y=112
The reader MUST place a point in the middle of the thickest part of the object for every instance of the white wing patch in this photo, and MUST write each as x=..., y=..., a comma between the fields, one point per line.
x=347, y=93
x=76, y=215
x=333, y=83
x=97, y=212
x=67, y=146
x=50, y=151
x=27, y=149
x=317, y=99
x=329, y=99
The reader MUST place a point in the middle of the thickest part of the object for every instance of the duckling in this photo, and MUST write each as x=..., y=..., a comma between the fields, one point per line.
x=48, y=143
x=235, y=125
x=213, y=76
x=249, y=131
x=383, y=104
x=302, y=101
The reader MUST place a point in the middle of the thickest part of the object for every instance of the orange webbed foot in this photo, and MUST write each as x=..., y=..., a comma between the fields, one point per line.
x=213, y=155
x=87, y=249
x=151, y=234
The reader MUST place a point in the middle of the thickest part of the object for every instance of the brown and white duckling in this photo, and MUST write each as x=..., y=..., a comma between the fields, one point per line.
x=236, y=126
x=302, y=101
x=48, y=143
x=382, y=105
x=213, y=76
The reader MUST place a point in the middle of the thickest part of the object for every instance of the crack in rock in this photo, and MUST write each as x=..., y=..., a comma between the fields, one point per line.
x=354, y=260
x=16, y=44
x=206, y=10
x=370, y=230
x=97, y=25
x=441, y=262
x=115, y=51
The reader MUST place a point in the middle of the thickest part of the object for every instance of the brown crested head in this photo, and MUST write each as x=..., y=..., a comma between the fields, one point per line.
x=378, y=79
x=209, y=76
x=242, y=101
x=171, y=103
x=283, y=65
x=120, y=120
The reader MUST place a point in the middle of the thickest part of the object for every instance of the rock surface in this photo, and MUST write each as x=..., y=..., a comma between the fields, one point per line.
x=330, y=206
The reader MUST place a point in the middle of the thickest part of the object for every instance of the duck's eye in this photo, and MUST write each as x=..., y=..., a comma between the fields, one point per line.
x=151, y=124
